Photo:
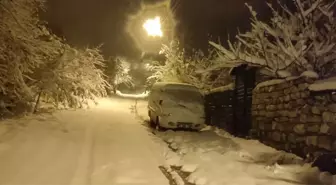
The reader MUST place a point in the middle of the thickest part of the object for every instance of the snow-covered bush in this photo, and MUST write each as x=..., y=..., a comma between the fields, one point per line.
x=36, y=63
x=194, y=70
x=291, y=43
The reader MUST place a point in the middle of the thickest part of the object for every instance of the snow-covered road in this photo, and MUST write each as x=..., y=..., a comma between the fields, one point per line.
x=104, y=145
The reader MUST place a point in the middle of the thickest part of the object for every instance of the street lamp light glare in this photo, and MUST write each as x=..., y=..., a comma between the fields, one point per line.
x=153, y=27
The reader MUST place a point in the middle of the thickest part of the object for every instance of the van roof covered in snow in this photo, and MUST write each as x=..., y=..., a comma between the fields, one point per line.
x=173, y=85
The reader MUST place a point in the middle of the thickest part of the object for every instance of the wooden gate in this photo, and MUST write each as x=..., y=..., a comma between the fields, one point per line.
x=242, y=99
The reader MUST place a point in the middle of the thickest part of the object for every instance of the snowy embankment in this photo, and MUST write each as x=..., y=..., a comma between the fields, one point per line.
x=143, y=95
x=213, y=157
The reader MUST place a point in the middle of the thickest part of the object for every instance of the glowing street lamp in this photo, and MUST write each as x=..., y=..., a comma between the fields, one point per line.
x=153, y=27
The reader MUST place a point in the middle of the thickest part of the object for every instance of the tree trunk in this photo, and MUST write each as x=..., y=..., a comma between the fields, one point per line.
x=37, y=101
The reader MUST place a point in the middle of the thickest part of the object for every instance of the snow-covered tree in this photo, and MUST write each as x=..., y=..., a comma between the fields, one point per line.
x=24, y=45
x=291, y=43
x=72, y=78
x=36, y=63
x=118, y=72
x=178, y=68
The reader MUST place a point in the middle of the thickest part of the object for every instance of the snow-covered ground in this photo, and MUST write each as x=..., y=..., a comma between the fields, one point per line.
x=214, y=157
x=110, y=145
x=105, y=145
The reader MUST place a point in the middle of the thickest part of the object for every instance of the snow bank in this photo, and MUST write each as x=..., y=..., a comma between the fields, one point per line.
x=214, y=157
x=136, y=96
x=322, y=85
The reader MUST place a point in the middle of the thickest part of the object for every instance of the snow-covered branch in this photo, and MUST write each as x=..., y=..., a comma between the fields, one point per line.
x=290, y=43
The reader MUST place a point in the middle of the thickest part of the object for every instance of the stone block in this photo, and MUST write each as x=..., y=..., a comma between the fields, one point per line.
x=293, y=96
x=271, y=89
x=329, y=117
x=280, y=127
x=313, y=128
x=294, y=89
x=292, y=114
x=304, y=118
x=261, y=107
x=298, y=95
x=324, y=142
x=293, y=104
x=268, y=100
x=262, y=113
x=305, y=94
x=333, y=97
x=271, y=107
x=306, y=109
x=300, y=129
x=288, y=128
x=286, y=106
x=280, y=106
x=291, y=138
x=316, y=110
x=300, y=101
x=281, y=99
x=325, y=128
x=270, y=114
x=276, y=136
x=311, y=140
x=282, y=119
x=287, y=91
x=303, y=86
x=310, y=101
x=287, y=98
x=332, y=107
x=332, y=130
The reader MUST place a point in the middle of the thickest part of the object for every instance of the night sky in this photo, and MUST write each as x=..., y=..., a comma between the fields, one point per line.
x=93, y=22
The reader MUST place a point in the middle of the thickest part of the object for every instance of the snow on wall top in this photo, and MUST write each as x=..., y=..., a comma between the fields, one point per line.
x=307, y=74
x=269, y=83
x=323, y=85
x=221, y=89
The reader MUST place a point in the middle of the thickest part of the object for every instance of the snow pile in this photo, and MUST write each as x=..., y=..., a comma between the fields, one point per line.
x=322, y=85
x=136, y=96
x=213, y=157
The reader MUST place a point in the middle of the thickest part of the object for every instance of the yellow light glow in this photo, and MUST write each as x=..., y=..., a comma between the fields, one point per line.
x=153, y=27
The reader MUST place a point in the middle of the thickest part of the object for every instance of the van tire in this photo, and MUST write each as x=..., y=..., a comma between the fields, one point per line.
x=158, y=126
x=152, y=123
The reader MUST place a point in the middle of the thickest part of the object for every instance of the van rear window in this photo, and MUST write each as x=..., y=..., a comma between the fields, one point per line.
x=185, y=95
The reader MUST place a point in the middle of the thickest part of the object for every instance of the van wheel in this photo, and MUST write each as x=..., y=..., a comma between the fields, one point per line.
x=158, y=127
x=152, y=123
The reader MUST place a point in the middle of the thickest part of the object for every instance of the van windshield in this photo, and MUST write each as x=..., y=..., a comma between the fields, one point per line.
x=185, y=95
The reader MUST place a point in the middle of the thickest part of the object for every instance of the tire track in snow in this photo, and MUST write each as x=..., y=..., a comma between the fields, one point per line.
x=82, y=174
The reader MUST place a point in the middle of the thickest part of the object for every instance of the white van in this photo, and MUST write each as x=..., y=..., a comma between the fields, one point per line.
x=176, y=105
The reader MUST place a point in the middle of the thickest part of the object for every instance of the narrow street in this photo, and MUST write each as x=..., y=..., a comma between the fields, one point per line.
x=103, y=145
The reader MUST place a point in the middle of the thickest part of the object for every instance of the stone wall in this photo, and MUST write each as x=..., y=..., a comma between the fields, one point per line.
x=288, y=116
